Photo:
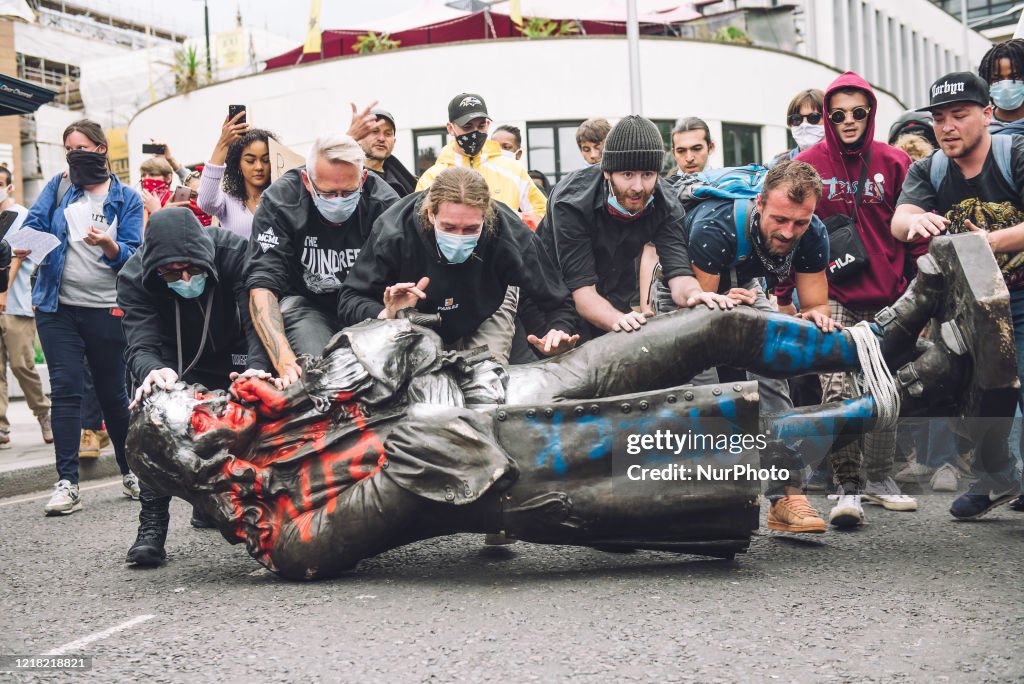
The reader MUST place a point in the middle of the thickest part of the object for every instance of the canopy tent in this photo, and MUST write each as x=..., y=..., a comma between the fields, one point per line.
x=608, y=18
x=21, y=97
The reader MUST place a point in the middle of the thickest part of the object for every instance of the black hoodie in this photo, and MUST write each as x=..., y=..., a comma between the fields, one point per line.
x=401, y=249
x=174, y=235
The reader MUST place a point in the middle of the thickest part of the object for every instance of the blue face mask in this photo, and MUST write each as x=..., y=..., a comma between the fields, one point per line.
x=337, y=210
x=1007, y=95
x=456, y=248
x=613, y=202
x=192, y=289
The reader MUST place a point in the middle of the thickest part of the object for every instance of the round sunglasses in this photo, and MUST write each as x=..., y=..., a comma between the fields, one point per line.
x=813, y=118
x=839, y=116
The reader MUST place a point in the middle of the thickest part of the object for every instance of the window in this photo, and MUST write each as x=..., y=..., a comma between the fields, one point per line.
x=551, y=148
x=427, y=145
x=741, y=144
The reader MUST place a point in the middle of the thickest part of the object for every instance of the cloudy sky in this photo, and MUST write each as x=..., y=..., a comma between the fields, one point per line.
x=283, y=18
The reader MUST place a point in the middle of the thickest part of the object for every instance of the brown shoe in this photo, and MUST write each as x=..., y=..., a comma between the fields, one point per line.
x=104, y=438
x=46, y=428
x=794, y=513
x=89, y=445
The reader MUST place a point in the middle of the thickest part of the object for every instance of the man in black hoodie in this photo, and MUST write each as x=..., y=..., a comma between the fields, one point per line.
x=186, y=318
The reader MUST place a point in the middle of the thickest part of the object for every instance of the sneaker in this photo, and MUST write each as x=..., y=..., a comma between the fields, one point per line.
x=886, y=494
x=1018, y=504
x=89, y=444
x=847, y=512
x=103, y=437
x=148, y=548
x=794, y=513
x=972, y=505
x=65, y=499
x=46, y=428
x=945, y=479
x=5, y=439
x=130, y=486
x=914, y=472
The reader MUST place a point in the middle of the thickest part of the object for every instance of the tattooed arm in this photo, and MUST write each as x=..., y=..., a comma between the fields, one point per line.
x=266, y=318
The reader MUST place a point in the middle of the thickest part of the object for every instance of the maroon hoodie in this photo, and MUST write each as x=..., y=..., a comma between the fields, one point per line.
x=840, y=167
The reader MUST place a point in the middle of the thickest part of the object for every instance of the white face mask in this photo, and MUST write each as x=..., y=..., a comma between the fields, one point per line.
x=3, y=194
x=808, y=134
x=509, y=153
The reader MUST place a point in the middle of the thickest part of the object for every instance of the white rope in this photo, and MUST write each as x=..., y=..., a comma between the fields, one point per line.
x=875, y=378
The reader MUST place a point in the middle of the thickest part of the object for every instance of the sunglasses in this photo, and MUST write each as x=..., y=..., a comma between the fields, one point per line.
x=839, y=116
x=794, y=119
x=176, y=275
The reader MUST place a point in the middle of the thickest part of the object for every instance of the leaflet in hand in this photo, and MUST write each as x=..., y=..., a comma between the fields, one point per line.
x=79, y=218
x=39, y=242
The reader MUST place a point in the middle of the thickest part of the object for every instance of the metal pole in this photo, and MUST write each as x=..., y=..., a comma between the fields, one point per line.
x=633, y=40
x=209, y=63
x=967, y=50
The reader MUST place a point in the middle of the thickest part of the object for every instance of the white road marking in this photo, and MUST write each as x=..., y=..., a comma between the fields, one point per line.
x=40, y=497
x=96, y=636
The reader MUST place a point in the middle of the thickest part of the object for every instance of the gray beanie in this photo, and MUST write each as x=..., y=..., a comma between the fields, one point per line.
x=634, y=144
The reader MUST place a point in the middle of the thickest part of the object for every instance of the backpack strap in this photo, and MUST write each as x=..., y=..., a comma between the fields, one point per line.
x=1002, y=148
x=62, y=189
x=741, y=213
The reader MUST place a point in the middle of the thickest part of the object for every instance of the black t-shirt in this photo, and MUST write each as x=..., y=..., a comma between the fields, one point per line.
x=593, y=248
x=712, y=245
x=987, y=186
x=294, y=251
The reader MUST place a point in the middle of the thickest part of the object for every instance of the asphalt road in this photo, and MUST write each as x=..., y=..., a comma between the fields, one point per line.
x=909, y=597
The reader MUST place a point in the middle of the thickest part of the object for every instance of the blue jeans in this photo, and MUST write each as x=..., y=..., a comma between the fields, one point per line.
x=935, y=443
x=92, y=416
x=71, y=336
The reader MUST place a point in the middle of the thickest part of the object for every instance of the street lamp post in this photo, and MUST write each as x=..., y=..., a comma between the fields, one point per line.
x=633, y=40
x=209, y=62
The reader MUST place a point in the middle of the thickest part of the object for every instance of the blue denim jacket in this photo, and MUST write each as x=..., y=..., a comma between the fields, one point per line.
x=122, y=202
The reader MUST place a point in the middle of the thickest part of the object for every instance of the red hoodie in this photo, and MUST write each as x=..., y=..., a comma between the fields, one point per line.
x=840, y=167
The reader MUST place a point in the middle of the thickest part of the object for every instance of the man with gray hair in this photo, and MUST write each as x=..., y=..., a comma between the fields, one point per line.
x=306, y=235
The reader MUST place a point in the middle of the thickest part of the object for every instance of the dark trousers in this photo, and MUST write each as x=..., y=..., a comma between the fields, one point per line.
x=71, y=337
x=92, y=416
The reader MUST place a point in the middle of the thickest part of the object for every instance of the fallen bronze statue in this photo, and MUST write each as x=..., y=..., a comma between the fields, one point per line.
x=388, y=439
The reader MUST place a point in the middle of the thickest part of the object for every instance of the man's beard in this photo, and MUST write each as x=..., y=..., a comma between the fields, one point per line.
x=624, y=197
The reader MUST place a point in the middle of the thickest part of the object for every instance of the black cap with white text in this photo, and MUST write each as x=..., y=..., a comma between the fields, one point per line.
x=960, y=86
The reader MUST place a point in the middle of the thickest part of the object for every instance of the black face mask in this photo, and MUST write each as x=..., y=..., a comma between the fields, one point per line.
x=472, y=142
x=87, y=168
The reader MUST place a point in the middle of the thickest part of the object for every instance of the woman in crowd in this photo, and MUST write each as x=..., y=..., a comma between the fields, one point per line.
x=98, y=221
x=805, y=123
x=236, y=175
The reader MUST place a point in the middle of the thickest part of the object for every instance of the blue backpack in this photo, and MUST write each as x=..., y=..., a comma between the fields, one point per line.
x=1002, y=146
x=738, y=183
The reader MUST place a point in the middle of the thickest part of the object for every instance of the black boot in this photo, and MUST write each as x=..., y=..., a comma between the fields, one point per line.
x=148, y=548
x=199, y=520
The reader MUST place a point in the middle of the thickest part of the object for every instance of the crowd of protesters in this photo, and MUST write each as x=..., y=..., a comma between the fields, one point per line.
x=208, y=273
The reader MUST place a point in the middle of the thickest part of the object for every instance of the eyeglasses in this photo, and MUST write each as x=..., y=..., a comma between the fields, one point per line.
x=839, y=116
x=173, y=276
x=813, y=118
x=334, y=195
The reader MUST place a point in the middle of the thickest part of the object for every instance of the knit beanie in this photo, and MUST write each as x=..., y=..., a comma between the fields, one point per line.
x=634, y=144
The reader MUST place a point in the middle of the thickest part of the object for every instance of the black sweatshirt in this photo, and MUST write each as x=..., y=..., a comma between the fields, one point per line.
x=294, y=251
x=174, y=235
x=402, y=249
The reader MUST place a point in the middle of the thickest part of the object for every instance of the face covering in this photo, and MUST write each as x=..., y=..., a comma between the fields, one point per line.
x=192, y=289
x=456, y=248
x=154, y=186
x=808, y=134
x=620, y=211
x=1007, y=95
x=510, y=154
x=3, y=194
x=472, y=142
x=337, y=210
x=87, y=168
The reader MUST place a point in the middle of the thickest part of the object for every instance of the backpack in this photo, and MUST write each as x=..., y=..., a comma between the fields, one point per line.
x=1002, y=146
x=737, y=183
x=62, y=189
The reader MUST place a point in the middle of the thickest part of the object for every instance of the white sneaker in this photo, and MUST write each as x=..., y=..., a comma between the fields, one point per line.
x=847, y=512
x=887, y=495
x=945, y=479
x=914, y=472
x=130, y=486
x=65, y=499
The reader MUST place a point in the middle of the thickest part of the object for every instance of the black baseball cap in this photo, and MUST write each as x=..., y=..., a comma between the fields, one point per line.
x=959, y=86
x=384, y=114
x=465, y=107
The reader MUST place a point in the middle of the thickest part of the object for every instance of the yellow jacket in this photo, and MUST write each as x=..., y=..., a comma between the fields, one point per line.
x=507, y=179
